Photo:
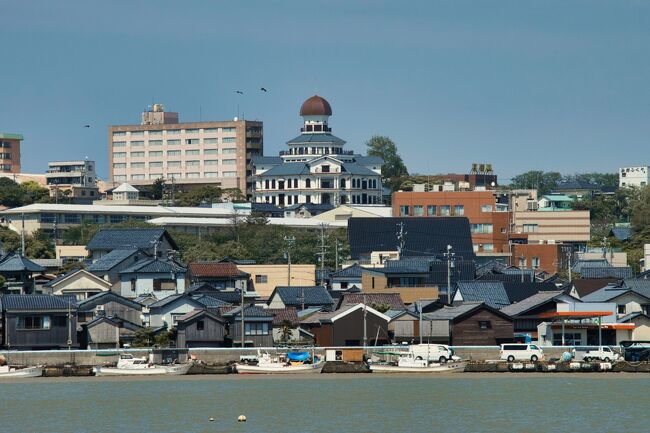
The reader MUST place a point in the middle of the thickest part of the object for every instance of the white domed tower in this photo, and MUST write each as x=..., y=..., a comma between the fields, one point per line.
x=315, y=139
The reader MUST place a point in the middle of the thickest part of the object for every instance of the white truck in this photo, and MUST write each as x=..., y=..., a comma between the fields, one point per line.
x=603, y=353
x=433, y=352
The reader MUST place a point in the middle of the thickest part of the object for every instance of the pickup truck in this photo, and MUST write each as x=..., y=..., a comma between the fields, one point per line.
x=603, y=353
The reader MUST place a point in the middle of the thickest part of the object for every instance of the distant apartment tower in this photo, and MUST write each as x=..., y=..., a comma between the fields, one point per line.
x=634, y=176
x=10, y=152
x=79, y=177
x=190, y=153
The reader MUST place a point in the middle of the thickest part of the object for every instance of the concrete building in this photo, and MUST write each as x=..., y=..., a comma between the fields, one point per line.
x=316, y=168
x=10, y=152
x=78, y=177
x=634, y=176
x=265, y=278
x=214, y=153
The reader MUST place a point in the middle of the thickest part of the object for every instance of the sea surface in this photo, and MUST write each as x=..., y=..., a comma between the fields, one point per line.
x=457, y=403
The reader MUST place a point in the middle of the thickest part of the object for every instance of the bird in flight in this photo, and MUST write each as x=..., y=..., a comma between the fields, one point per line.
x=239, y=91
x=86, y=126
x=263, y=89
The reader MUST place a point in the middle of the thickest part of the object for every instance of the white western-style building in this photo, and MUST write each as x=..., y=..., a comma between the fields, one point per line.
x=316, y=169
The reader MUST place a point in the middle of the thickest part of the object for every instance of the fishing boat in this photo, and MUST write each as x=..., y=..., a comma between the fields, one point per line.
x=408, y=363
x=12, y=372
x=128, y=365
x=299, y=362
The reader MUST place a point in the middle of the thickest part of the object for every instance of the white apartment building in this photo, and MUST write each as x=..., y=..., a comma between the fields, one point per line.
x=634, y=176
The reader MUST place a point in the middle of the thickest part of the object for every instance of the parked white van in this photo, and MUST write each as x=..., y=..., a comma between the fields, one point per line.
x=528, y=352
x=433, y=352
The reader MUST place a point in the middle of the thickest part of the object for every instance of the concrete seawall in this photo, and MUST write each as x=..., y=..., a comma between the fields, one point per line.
x=212, y=356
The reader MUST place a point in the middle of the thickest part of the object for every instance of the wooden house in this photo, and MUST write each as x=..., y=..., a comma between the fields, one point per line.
x=345, y=327
x=79, y=283
x=258, y=326
x=155, y=242
x=109, y=304
x=108, y=332
x=201, y=328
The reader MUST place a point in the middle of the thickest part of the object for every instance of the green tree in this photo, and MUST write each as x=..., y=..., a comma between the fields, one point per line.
x=201, y=195
x=542, y=181
x=163, y=338
x=143, y=338
x=155, y=191
x=39, y=245
x=640, y=213
x=393, y=170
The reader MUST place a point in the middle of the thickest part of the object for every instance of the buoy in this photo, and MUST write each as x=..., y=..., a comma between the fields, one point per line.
x=241, y=418
x=211, y=419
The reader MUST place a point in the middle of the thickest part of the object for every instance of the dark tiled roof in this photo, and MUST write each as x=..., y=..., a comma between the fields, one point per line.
x=423, y=236
x=215, y=270
x=353, y=271
x=110, y=260
x=607, y=272
x=594, y=263
x=316, y=139
x=518, y=291
x=14, y=262
x=61, y=277
x=37, y=302
x=529, y=303
x=576, y=185
x=491, y=292
x=210, y=302
x=605, y=294
x=393, y=300
x=147, y=299
x=311, y=207
x=528, y=277
x=313, y=296
x=259, y=159
x=194, y=314
x=154, y=266
x=249, y=311
x=641, y=287
x=368, y=160
x=173, y=298
x=458, y=311
x=104, y=297
x=622, y=233
x=287, y=169
x=136, y=238
x=265, y=208
x=280, y=315
x=354, y=168
x=587, y=286
x=229, y=296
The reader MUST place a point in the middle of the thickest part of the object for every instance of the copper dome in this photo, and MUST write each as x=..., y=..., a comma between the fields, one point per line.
x=315, y=106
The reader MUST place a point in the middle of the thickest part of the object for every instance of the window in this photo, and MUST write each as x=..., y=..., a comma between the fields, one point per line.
x=227, y=130
x=403, y=211
x=34, y=322
x=229, y=161
x=193, y=175
x=137, y=133
x=138, y=177
x=137, y=165
x=119, y=165
x=229, y=150
x=481, y=228
x=210, y=130
x=119, y=133
x=418, y=210
x=192, y=131
x=155, y=132
x=192, y=152
x=459, y=210
x=173, y=142
x=137, y=154
x=155, y=164
x=173, y=131
x=119, y=178
x=119, y=154
x=173, y=153
x=229, y=174
x=200, y=325
x=155, y=142
x=431, y=210
x=536, y=262
x=307, y=183
x=445, y=210
x=211, y=174
x=253, y=328
x=325, y=168
x=620, y=309
x=530, y=228
x=570, y=339
x=174, y=164
x=261, y=279
x=486, y=208
x=137, y=143
x=192, y=141
x=229, y=140
x=210, y=152
x=119, y=144
x=193, y=163
x=211, y=162
x=484, y=325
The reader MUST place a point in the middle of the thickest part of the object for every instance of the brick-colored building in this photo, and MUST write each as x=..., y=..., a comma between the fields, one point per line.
x=489, y=220
x=549, y=258
x=192, y=153
x=10, y=152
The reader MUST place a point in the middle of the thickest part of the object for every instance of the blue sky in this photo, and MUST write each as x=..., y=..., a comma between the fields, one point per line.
x=553, y=85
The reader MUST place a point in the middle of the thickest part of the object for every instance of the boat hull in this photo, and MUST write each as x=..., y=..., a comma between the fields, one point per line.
x=158, y=370
x=285, y=369
x=23, y=372
x=436, y=368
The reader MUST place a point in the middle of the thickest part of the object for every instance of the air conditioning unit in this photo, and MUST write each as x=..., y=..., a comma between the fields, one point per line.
x=100, y=308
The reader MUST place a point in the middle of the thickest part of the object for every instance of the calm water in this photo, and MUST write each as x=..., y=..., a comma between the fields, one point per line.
x=329, y=403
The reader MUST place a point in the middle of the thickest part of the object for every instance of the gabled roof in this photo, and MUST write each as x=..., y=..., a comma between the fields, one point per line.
x=333, y=316
x=104, y=297
x=353, y=271
x=368, y=160
x=293, y=296
x=110, y=260
x=259, y=159
x=281, y=315
x=491, y=293
x=590, y=285
x=287, y=169
x=518, y=291
x=606, y=294
x=125, y=187
x=393, y=300
x=196, y=314
x=146, y=299
x=456, y=312
x=530, y=303
x=632, y=316
x=181, y=297
x=316, y=139
x=622, y=233
x=216, y=269
x=229, y=296
x=14, y=262
x=154, y=266
x=133, y=238
x=589, y=263
x=423, y=236
x=36, y=303
x=210, y=302
x=62, y=278
x=249, y=311
x=311, y=207
x=354, y=168
x=637, y=284
x=607, y=272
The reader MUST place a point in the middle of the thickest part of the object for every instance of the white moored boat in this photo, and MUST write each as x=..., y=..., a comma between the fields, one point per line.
x=131, y=366
x=407, y=363
x=269, y=365
x=11, y=372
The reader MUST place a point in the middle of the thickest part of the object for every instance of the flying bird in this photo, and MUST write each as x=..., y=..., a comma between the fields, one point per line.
x=263, y=89
x=86, y=126
x=239, y=91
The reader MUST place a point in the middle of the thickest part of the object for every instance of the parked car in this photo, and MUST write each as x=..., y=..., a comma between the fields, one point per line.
x=603, y=353
x=434, y=352
x=521, y=352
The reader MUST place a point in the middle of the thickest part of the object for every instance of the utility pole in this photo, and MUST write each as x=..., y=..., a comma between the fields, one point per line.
x=568, y=255
x=336, y=252
x=522, y=264
x=365, y=327
x=69, y=326
x=22, y=234
x=323, y=251
x=401, y=242
x=243, y=342
x=290, y=241
x=450, y=256
x=420, y=308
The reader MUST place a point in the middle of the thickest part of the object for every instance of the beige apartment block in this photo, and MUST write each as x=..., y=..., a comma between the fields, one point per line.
x=10, y=152
x=553, y=226
x=216, y=153
x=265, y=278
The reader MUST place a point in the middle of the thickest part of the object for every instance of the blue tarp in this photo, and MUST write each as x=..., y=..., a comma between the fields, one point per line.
x=298, y=356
